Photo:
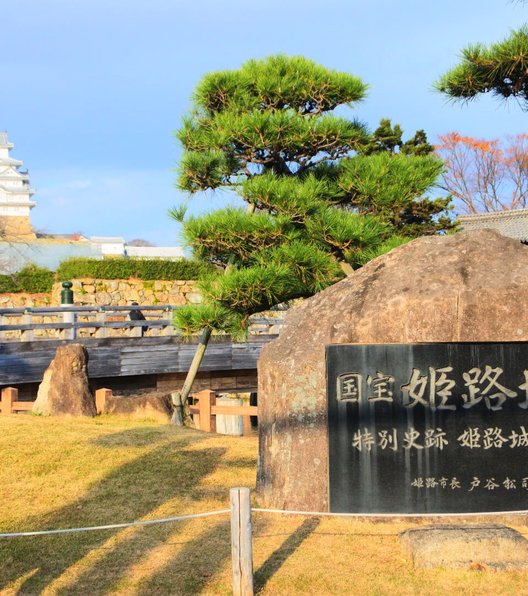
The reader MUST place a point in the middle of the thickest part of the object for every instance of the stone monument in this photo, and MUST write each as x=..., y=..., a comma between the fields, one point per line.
x=469, y=287
x=65, y=389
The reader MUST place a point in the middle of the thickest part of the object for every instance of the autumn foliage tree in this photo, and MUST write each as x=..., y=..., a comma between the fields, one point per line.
x=485, y=175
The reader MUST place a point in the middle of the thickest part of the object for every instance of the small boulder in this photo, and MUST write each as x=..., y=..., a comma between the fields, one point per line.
x=64, y=389
x=152, y=406
x=478, y=547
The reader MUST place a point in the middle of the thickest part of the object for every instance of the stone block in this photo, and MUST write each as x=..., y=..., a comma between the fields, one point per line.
x=479, y=547
x=193, y=298
x=152, y=406
x=177, y=300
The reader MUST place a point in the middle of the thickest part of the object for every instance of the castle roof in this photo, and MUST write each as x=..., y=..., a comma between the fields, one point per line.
x=513, y=224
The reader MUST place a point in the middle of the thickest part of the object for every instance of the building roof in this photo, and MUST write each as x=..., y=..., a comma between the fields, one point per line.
x=75, y=237
x=10, y=161
x=513, y=224
x=4, y=142
x=107, y=240
x=17, y=190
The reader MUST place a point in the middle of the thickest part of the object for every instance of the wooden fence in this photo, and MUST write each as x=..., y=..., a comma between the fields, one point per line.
x=9, y=403
x=205, y=410
x=69, y=322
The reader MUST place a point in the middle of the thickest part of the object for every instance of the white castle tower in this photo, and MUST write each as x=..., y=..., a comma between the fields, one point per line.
x=15, y=196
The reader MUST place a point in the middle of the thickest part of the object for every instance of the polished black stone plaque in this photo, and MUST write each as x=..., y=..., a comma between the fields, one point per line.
x=428, y=428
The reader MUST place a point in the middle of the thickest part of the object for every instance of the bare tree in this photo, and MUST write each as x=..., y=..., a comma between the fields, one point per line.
x=485, y=175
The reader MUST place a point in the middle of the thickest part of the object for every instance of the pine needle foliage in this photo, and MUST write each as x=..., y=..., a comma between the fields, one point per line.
x=233, y=235
x=500, y=69
x=321, y=190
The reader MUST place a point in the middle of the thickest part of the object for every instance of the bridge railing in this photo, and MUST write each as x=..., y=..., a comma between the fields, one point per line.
x=70, y=322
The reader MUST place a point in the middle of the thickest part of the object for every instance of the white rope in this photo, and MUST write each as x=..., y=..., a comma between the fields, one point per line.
x=167, y=520
x=395, y=515
x=147, y=522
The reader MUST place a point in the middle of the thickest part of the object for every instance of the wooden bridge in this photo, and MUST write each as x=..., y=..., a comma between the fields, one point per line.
x=29, y=339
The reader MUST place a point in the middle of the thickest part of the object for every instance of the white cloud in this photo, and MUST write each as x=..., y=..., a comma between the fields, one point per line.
x=128, y=203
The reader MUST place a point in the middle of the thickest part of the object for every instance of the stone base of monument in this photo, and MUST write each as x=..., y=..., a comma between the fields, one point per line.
x=479, y=547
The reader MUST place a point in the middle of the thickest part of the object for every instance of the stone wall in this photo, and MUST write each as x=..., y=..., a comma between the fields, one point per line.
x=111, y=292
x=17, y=228
x=97, y=292
x=21, y=300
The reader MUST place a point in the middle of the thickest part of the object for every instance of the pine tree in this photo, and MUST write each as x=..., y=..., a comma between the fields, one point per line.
x=322, y=193
x=500, y=69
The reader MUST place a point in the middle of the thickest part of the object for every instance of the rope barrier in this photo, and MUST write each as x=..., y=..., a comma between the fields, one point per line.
x=167, y=520
x=147, y=522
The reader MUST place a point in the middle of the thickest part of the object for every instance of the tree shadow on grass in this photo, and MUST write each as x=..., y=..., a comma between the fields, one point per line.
x=128, y=493
x=192, y=568
x=142, y=436
x=278, y=557
x=204, y=556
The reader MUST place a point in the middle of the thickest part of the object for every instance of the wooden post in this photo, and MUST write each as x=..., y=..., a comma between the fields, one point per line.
x=101, y=396
x=246, y=421
x=206, y=399
x=9, y=395
x=177, y=415
x=195, y=364
x=101, y=318
x=241, y=547
x=168, y=329
x=69, y=317
x=28, y=335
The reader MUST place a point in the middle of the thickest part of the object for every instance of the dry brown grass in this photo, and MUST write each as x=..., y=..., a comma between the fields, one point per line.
x=66, y=473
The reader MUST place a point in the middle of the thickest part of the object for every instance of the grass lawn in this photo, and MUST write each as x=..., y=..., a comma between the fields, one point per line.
x=70, y=473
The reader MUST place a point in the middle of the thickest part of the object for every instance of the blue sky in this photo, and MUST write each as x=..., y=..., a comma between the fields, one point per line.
x=93, y=90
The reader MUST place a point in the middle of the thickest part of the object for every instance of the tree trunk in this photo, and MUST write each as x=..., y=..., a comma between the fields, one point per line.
x=193, y=371
x=197, y=360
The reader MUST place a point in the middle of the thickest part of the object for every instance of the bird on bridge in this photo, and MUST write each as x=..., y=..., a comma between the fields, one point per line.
x=136, y=315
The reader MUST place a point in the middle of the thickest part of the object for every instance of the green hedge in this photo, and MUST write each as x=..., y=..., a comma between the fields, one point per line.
x=31, y=279
x=34, y=280
x=124, y=268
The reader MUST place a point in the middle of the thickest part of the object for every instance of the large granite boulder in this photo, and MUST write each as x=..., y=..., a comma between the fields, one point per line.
x=471, y=286
x=64, y=389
